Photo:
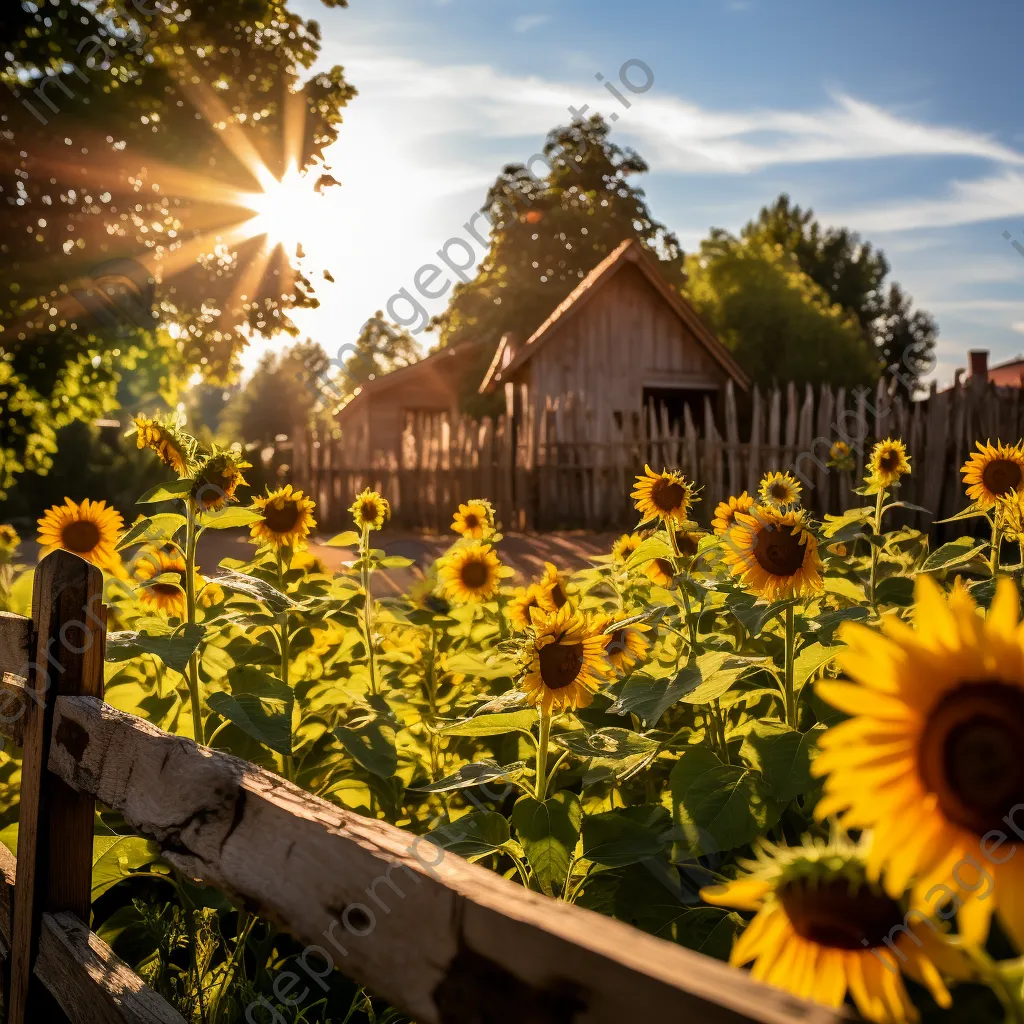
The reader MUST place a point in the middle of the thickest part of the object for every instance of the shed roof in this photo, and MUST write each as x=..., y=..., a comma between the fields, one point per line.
x=430, y=369
x=628, y=252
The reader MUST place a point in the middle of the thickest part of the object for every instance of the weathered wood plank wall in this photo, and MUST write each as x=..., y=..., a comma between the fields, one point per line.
x=568, y=465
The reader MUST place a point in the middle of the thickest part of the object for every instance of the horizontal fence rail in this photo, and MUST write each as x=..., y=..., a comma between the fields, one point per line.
x=567, y=463
x=441, y=939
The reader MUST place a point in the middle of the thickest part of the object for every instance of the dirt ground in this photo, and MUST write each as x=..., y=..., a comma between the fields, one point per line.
x=525, y=553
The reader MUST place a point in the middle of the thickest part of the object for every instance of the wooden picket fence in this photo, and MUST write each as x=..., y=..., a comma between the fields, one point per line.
x=439, y=938
x=569, y=465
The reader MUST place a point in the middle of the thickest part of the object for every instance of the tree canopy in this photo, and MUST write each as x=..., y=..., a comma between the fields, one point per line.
x=550, y=228
x=778, y=322
x=853, y=274
x=136, y=132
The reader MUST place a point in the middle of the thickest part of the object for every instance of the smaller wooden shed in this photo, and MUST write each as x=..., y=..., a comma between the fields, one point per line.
x=373, y=421
x=622, y=339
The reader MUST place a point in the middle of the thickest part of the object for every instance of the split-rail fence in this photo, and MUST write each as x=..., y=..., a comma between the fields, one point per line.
x=570, y=465
x=439, y=938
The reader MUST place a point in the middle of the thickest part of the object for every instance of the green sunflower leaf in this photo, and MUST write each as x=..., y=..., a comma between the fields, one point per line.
x=549, y=832
x=151, y=529
x=718, y=807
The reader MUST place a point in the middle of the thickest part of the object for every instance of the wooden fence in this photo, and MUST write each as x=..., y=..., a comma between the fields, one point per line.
x=439, y=938
x=572, y=466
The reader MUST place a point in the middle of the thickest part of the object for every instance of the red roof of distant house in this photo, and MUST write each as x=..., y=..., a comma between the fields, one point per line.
x=1007, y=374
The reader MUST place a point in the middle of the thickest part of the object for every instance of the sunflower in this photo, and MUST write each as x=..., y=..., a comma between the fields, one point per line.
x=9, y=541
x=931, y=759
x=167, y=597
x=473, y=521
x=774, y=553
x=726, y=511
x=780, y=490
x=888, y=462
x=523, y=600
x=660, y=571
x=369, y=510
x=822, y=929
x=993, y=471
x=471, y=573
x=628, y=645
x=287, y=519
x=840, y=455
x=89, y=530
x=216, y=481
x=165, y=440
x=568, y=662
x=553, y=584
x=666, y=496
x=625, y=546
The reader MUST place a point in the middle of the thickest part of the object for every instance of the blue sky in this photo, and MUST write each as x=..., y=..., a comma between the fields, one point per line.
x=899, y=120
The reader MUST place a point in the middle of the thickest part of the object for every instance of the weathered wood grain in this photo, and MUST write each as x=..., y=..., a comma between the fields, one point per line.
x=13, y=700
x=15, y=644
x=91, y=984
x=439, y=938
x=55, y=821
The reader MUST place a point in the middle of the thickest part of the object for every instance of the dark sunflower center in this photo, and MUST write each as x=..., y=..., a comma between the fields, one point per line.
x=471, y=521
x=368, y=511
x=560, y=664
x=970, y=754
x=779, y=551
x=665, y=567
x=168, y=589
x=282, y=519
x=889, y=461
x=80, y=536
x=688, y=544
x=839, y=913
x=1001, y=476
x=780, y=492
x=558, y=595
x=475, y=574
x=667, y=495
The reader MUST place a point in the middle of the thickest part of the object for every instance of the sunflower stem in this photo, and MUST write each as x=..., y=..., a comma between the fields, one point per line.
x=542, y=755
x=364, y=568
x=875, y=547
x=997, y=542
x=191, y=540
x=691, y=623
x=791, y=720
x=289, y=761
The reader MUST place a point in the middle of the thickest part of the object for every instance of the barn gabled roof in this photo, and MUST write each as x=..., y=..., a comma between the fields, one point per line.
x=426, y=367
x=629, y=252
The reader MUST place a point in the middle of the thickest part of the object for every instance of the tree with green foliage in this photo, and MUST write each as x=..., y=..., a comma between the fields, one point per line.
x=135, y=132
x=380, y=348
x=778, y=323
x=281, y=393
x=549, y=230
x=853, y=274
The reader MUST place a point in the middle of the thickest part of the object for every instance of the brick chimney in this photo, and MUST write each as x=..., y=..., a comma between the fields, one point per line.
x=979, y=362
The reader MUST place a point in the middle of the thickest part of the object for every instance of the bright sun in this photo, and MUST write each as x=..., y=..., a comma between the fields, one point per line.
x=286, y=211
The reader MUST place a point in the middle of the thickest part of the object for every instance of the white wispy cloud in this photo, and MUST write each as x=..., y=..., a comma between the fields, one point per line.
x=527, y=21
x=994, y=197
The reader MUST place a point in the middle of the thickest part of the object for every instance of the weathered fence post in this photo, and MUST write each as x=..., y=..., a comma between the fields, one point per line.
x=55, y=821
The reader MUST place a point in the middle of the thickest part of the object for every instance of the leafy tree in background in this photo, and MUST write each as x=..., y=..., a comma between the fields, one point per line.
x=852, y=273
x=154, y=123
x=776, y=320
x=550, y=230
x=280, y=394
x=380, y=348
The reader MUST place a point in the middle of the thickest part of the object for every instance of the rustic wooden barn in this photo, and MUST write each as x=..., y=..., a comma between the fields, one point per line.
x=623, y=339
x=372, y=423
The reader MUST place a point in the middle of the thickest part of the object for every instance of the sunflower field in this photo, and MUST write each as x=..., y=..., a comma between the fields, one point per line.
x=794, y=745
